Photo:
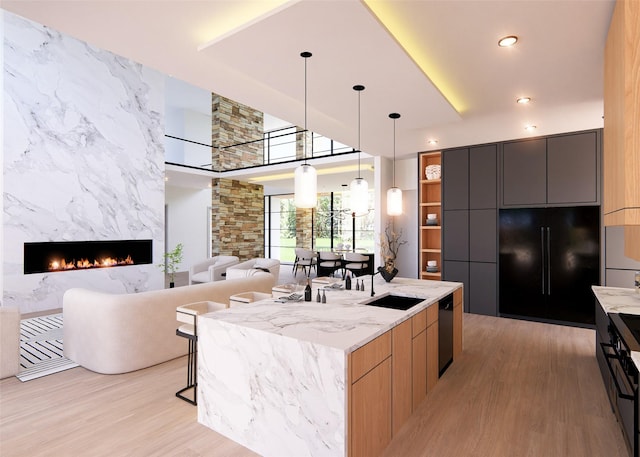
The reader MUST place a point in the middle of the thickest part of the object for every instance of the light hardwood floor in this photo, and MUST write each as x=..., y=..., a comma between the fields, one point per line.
x=519, y=389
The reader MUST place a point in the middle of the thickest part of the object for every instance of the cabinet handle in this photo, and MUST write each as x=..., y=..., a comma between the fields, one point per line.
x=543, y=259
x=548, y=261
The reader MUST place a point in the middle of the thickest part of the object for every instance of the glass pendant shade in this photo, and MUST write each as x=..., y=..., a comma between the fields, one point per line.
x=306, y=186
x=394, y=201
x=359, y=196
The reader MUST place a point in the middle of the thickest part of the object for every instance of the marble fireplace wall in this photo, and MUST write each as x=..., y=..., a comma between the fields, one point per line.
x=83, y=160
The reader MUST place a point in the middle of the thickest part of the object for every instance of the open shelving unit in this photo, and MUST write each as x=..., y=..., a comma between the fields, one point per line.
x=430, y=201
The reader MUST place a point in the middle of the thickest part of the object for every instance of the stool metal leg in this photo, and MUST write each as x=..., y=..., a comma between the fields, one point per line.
x=192, y=369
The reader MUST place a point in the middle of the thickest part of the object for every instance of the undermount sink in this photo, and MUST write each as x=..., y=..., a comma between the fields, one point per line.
x=395, y=302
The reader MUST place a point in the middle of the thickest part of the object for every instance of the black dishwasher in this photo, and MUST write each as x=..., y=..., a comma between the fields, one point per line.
x=445, y=333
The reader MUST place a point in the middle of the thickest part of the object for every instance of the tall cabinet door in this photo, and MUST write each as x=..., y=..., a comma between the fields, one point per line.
x=455, y=181
x=522, y=261
x=524, y=173
x=573, y=168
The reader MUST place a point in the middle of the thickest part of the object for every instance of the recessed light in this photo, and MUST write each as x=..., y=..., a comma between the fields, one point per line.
x=523, y=100
x=432, y=141
x=507, y=41
x=530, y=128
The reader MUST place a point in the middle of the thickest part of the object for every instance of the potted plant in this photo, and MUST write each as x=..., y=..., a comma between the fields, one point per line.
x=390, y=243
x=170, y=264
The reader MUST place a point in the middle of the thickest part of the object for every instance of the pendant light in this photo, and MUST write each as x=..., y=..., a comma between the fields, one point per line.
x=394, y=195
x=359, y=187
x=305, y=176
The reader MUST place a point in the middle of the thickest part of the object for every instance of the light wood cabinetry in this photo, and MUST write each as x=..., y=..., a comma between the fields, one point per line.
x=370, y=397
x=457, y=323
x=401, y=364
x=390, y=376
x=430, y=201
x=432, y=347
x=621, y=156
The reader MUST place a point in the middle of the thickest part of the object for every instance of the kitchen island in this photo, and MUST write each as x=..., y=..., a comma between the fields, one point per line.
x=321, y=379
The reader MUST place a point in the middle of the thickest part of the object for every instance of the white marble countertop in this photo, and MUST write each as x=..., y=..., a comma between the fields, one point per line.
x=344, y=321
x=619, y=300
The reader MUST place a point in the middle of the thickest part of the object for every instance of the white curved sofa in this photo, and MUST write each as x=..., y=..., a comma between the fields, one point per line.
x=117, y=333
x=249, y=267
x=212, y=269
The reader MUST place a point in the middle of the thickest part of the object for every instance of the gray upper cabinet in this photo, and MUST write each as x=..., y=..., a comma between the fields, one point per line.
x=557, y=170
x=572, y=168
x=455, y=179
x=524, y=172
x=483, y=182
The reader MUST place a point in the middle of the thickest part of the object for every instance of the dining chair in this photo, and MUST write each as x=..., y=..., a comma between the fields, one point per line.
x=305, y=259
x=355, y=263
x=328, y=263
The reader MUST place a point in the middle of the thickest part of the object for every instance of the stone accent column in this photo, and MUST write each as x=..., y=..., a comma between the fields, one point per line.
x=233, y=123
x=304, y=228
x=237, y=213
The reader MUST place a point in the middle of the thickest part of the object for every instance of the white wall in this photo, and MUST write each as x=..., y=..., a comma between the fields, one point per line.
x=188, y=222
x=406, y=180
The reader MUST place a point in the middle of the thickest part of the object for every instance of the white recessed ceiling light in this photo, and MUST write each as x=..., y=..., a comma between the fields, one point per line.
x=507, y=41
x=432, y=141
x=530, y=127
x=523, y=100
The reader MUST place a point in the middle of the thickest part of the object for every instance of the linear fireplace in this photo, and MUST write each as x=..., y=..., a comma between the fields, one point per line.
x=47, y=257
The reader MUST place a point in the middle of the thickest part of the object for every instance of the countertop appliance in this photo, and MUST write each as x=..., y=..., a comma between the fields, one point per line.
x=445, y=333
x=549, y=259
x=621, y=380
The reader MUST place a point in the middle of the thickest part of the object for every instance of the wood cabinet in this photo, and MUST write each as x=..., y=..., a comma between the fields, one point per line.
x=401, y=365
x=370, y=397
x=430, y=202
x=621, y=156
x=457, y=323
x=391, y=375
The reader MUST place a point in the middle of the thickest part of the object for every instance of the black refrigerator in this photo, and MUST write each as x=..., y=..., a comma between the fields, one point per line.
x=549, y=259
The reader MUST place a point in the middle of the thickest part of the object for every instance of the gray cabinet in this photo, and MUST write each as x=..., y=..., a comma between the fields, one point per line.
x=483, y=174
x=483, y=235
x=555, y=170
x=483, y=278
x=458, y=272
x=455, y=179
x=524, y=172
x=456, y=235
x=572, y=162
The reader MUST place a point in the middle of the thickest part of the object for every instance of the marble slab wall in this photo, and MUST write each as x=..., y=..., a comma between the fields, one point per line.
x=83, y=160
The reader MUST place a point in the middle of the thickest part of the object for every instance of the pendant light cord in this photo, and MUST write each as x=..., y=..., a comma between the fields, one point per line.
x=394, y=116
x=305, y=55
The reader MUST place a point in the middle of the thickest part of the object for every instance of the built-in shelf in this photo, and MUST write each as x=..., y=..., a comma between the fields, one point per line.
x=429, y=201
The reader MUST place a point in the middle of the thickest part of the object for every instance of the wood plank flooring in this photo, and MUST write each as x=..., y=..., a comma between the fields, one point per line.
x=519, y=389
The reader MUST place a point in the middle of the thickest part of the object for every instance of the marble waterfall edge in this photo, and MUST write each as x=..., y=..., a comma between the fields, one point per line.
x=268, y=391
x=83, y=159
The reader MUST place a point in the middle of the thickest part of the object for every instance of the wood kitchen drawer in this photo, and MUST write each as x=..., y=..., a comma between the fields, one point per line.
x=432, y=314
x=457, y=297
x=368, y=356
x=419, y=323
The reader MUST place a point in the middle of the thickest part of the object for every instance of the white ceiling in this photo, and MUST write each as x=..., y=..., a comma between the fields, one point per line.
x=249, y=51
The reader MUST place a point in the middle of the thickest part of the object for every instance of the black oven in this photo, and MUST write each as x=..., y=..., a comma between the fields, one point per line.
x=622, y=384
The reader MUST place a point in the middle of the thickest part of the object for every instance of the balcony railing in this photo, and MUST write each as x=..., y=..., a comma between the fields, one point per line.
x=277, y=146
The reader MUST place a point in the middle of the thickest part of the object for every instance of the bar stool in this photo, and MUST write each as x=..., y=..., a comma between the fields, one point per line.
x=247, y=297
x=188, y=315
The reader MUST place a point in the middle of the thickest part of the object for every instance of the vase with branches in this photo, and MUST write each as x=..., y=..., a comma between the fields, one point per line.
x=171, y=261
x=390, y=243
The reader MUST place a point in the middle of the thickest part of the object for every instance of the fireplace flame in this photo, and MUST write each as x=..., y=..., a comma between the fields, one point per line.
x=82, y=264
